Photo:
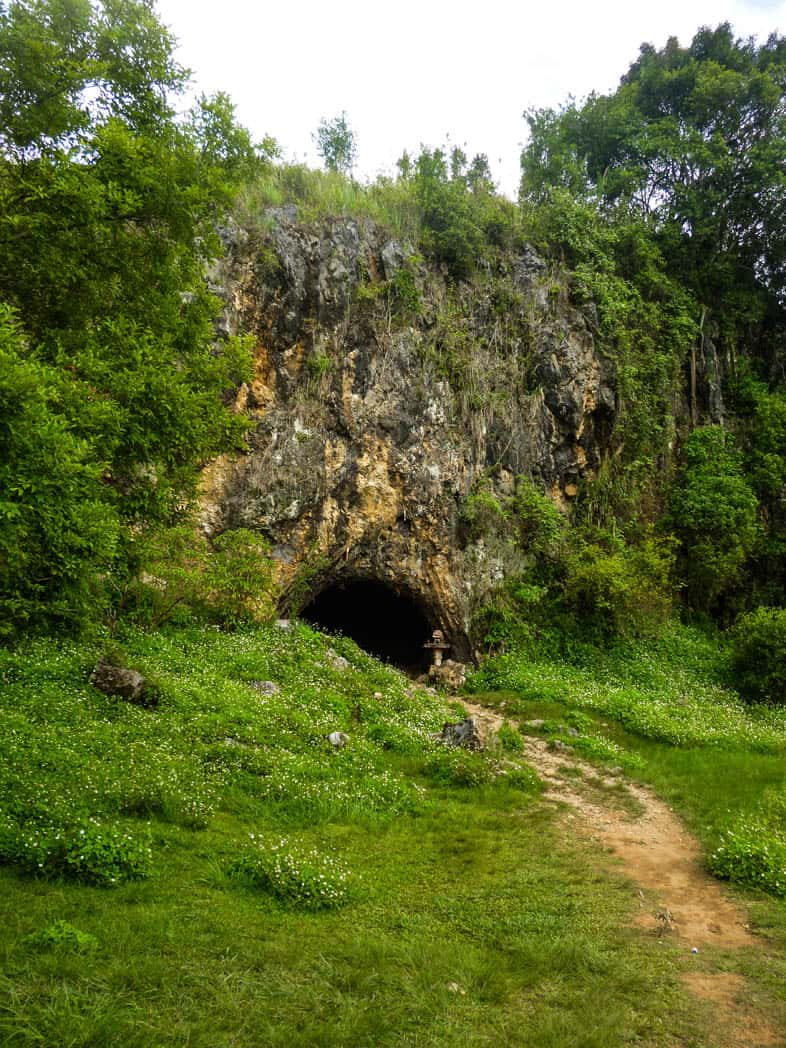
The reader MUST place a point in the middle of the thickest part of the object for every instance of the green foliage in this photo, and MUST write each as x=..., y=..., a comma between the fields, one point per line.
x=400, y=294
x=305, y=879
x=539, y=524
x=762, y=425
x=84, y=851
x=62, y=936
x=227, y=579
x=714, y=514
x=225, y=147
x=759, y=654
x=107, y=214
x=620, y=590
x=67, y=65
x=642, y=318
x=763, y=422
x=458, y=767
x=482, y=513
x=58, y=535
x=336, y=144
x=580, y=580
x=752, y=852
x=693, y=140
x=510, y=738
x=461, y=216
x=672, y=688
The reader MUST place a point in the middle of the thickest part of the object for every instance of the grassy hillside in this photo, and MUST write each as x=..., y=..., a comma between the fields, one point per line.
x=212, y=872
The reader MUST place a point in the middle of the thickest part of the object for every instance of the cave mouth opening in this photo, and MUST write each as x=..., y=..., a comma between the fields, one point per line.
x=384, y=622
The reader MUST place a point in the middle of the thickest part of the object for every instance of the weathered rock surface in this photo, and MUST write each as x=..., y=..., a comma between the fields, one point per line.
x=464, y=734
x=451, y=675
x=124, y=683
x=378, y=409
x=264, y=687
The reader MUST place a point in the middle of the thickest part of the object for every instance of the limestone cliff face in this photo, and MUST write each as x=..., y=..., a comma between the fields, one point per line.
x=382, y=394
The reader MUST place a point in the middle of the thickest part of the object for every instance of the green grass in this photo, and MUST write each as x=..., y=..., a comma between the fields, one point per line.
x=320, y=194
x=470, y=917
x=665, y=712
x=467, y=931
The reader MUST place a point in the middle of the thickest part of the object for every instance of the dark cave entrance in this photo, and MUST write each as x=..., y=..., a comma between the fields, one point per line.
x=390, y=625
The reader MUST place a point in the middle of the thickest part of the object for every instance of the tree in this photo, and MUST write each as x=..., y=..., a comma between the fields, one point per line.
x=758, y=644
x=714, y=514
x=694, y=142
x=108, y=209
x=336, y=144
x=460, y=213
x=58, y=536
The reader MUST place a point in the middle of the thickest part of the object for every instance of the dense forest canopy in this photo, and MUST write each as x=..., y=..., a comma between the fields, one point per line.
x=693, y=142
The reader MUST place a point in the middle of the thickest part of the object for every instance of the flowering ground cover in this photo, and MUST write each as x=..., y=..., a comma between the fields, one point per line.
x=212, y=871
x=666, y=712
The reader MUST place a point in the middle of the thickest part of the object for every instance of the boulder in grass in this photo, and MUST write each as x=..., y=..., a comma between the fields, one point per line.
x=124, y=683
x=449, y=674
x=264, y=687
x=463, y=733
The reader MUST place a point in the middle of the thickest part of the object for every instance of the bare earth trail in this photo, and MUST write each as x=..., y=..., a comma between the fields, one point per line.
x=654, y=849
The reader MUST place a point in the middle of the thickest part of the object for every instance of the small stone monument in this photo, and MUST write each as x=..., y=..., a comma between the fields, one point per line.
x=437, y=647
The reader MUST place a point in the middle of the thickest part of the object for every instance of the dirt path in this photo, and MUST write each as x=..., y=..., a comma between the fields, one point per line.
x=654, y=849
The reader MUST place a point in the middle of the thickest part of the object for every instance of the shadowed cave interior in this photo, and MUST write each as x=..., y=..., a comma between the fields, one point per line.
x=387, y=624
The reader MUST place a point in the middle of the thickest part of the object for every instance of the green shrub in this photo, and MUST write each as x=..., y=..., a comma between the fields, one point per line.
x=539, y=522
x=227, y=580
x=88, y=851
x=521, y=777
x=482, y=513
x=759, y=654
x=457, y=767
x=621, y=590
x=752, y=852
x=58, y=537
x=304, y=878
x=61, y=936
x=510, y=738
x=714, y=513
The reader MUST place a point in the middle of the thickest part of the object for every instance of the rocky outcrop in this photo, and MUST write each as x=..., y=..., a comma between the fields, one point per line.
x=382, y=394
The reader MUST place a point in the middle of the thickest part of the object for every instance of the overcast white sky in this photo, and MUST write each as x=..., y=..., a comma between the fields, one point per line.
x=412, y=72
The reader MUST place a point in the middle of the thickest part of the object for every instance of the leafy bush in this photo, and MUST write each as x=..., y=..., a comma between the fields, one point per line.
x=58, y=536
x=112, y=401
x=538, y=521
x=61, y=935
x=304, y=878
x=228, y=580
x=759, y=654
x=714, y=514
x=510, y=738
x=752, y=852
x=621, y=590
x=88, y=852
x=458, y=767
x=461, y=217
x=482, y=513
x=521, y=777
